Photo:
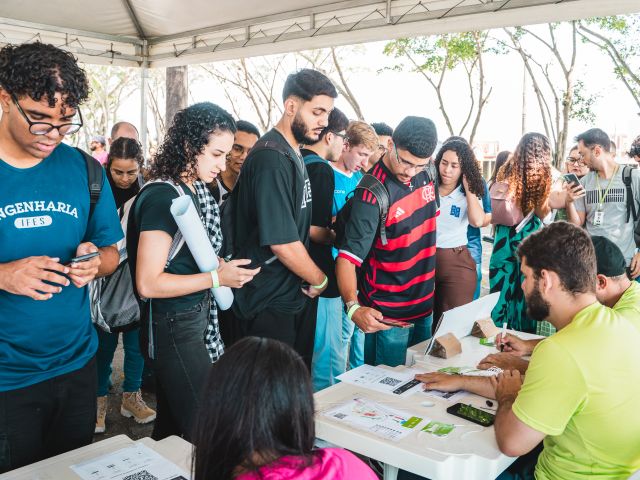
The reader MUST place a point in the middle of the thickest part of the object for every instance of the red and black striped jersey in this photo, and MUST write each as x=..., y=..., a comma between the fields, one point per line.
x=398, y=278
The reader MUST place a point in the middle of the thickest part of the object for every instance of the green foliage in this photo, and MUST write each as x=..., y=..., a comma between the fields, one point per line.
x=437, y=53
x=583, y=102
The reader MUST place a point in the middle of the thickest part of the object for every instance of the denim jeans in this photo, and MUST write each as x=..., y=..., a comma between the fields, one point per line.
x=476, y=294
x=48, y=418
x=181, y=366
x=328, y=352
x=133, y=361
x=353, y=342
x=389, y=347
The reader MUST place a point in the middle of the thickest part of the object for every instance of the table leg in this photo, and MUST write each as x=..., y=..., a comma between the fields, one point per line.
x=390, y=472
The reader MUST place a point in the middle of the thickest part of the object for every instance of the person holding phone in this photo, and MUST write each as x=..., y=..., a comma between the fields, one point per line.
x=180, y=312
x=48, y=345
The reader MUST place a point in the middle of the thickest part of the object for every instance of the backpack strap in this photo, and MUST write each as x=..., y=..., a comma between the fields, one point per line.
x=177, y=241
x=627, y=171
x=94, y=176
x=376, y=187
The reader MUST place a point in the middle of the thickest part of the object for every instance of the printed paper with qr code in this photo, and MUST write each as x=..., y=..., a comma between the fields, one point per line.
x=398, y=383
x=380, y=420
x=136, y=462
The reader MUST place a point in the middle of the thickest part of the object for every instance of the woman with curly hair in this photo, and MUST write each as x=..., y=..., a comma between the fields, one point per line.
x=528, y=176
x=179, y=328
x=461, y=188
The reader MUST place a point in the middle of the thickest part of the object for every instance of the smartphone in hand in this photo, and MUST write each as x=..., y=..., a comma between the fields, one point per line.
x=84, y=258
x=571, y=178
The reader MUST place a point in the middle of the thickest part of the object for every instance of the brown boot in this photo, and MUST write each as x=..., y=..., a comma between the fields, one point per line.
x=101, y=414
x=134, y=406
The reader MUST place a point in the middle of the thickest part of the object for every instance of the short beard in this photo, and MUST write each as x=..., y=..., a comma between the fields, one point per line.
x=537, y=307
x=299, y=131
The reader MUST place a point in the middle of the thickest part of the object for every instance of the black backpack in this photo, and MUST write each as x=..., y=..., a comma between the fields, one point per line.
x=228, y=208
x=371, y=184
x=632, y=212
x=94, y=176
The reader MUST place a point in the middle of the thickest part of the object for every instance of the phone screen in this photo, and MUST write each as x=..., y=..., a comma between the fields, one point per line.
x=571, y=178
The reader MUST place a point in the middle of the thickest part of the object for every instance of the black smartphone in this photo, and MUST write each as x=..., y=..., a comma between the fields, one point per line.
x=84, y=258
x=571, y=178
x=471, y=413
x=253, y=265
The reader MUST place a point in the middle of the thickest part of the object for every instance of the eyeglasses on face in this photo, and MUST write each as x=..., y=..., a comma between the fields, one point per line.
x=408, y=165
x=575, y=161
x=42, y=128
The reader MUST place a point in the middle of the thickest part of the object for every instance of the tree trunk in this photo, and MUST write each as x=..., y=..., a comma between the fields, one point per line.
x=177, y=92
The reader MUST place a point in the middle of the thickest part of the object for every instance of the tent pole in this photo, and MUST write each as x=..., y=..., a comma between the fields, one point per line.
x=144, y=76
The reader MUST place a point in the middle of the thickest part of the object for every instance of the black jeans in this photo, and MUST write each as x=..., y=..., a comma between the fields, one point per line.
x=181, y=366
x=295, y=329
x=48, y=418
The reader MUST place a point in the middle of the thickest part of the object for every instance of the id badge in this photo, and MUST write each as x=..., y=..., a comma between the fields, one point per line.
x=598, y=218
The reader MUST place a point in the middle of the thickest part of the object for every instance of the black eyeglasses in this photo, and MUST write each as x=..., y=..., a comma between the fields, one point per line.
x=42, y=128
x=574, y=161
x=408, y=165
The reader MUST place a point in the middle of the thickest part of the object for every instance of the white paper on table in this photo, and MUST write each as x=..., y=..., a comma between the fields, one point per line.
x=136, y=462
x=188, y=221
x=382, y=421
x=381, y=380
x=449, y=396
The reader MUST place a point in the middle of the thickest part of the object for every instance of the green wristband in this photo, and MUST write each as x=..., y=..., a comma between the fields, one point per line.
x=322, y=285
x=352, y=310
x=214, y=279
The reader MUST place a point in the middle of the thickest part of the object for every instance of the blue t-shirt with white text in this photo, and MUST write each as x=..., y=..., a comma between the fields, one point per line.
x=44, y=211
x=344, y=185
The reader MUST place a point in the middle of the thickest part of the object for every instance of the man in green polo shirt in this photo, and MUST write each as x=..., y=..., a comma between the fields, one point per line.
x=582, y=388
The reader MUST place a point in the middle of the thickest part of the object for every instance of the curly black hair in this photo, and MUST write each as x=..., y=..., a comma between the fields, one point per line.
x=40, y=70
x=468, y=165
x=186, y=138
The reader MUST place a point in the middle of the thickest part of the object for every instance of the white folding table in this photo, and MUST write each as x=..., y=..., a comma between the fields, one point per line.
x=469, y=452
x=172, y=448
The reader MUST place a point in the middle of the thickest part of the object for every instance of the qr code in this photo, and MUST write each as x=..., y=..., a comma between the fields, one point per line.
x=390, y=381
x=141, y=475
x=339, y=416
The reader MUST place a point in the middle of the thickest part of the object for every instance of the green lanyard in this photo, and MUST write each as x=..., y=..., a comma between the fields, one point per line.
x=601, y=196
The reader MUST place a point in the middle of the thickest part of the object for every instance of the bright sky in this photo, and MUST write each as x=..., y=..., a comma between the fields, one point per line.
x=389, y=96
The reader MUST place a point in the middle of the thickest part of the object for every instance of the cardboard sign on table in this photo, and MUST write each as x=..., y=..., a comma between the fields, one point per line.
x=446, y=346
x=459, y=321
x=485, y=329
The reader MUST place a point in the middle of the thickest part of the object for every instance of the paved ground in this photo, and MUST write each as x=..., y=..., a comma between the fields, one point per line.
x=117, y=424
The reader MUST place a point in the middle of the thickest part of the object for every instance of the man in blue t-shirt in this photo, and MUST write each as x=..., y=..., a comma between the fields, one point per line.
x=360, y=143
x=47, y=347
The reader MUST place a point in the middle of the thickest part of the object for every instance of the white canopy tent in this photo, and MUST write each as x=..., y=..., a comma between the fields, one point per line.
x=159, y=33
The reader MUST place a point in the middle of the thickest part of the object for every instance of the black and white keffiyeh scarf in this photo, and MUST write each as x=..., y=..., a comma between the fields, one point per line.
x=210, y=215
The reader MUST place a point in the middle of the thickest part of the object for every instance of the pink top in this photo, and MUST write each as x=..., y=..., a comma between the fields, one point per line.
x=101, y=157
x=329, y=464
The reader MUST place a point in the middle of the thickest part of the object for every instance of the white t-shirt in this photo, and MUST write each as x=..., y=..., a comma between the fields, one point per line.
x=452, y=223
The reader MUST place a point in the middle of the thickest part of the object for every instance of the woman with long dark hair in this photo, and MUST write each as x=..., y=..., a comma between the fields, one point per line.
x=179, y=321
x=528, y=176
x=123, y=170
x=461, y=189
x=256, y=420
x=501, y=159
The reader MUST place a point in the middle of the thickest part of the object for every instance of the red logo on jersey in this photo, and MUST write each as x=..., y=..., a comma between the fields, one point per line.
x=428, y=193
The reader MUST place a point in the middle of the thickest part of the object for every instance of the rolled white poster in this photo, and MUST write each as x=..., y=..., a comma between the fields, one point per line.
x=185, y=214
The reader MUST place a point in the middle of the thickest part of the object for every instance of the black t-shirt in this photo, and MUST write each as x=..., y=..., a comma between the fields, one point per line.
x=273, y=208
x=322, y=189
x=152, y=213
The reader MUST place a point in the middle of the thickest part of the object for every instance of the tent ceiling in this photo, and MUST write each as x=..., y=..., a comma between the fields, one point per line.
x=166, y=32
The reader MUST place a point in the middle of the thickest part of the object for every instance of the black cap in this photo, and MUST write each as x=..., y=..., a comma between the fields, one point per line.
x=611, y=262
